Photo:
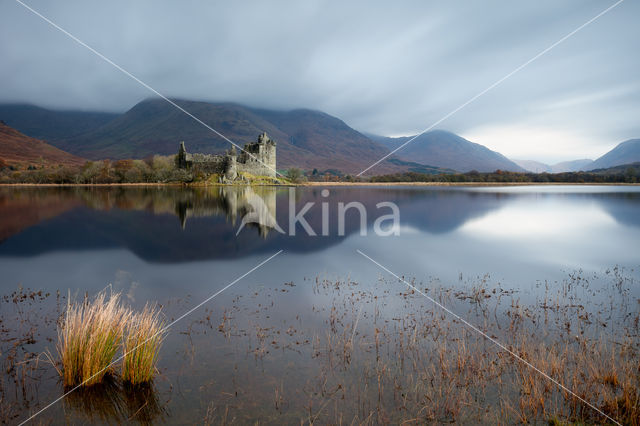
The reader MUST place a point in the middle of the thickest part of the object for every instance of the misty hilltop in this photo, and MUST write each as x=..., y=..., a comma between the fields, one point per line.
x=306, y=139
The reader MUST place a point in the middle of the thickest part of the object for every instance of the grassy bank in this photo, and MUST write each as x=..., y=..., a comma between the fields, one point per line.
x=162, y=170
x=151, y=171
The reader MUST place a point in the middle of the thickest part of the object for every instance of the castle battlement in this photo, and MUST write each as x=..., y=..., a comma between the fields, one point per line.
x=256, y=158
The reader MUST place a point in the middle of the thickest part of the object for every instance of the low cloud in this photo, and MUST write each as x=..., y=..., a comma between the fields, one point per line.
x=381, y=67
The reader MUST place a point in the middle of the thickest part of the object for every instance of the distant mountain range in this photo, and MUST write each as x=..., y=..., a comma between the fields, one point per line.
x=565, y=166
x=42, y=123
x=18, y=148
x=449, y=150
x=627, y=152
x=307, y=139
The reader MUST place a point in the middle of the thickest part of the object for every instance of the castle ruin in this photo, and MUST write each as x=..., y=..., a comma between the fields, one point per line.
x=256, y=158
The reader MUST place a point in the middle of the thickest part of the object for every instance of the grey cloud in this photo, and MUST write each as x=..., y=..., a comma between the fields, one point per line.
x=388, y=68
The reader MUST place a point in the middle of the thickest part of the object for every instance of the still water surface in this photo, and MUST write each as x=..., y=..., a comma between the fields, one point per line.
x=168, y=238
x=177, y=246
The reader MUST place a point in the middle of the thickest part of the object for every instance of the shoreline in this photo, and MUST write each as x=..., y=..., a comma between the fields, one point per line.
x=466, y=184
x=186, y=185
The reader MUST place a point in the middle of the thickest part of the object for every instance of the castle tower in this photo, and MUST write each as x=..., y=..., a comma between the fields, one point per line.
x=267, y=150
x=231, y=167
x=181, y=158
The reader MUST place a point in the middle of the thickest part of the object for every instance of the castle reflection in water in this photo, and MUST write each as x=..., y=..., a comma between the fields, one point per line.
x=257, y=205
x=30, y=206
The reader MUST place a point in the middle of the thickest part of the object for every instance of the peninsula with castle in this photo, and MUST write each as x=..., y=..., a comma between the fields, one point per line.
x=255, y=159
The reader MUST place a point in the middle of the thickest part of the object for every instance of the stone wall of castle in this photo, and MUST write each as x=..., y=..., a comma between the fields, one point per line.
x=256, y=158
x=209, y=164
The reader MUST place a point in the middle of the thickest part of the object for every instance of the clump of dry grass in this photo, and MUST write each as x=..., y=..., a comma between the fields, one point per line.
x=143, y=336
x=94, y=331
x=90, y=338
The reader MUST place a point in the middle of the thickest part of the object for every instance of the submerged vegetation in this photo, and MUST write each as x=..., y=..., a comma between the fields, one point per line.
x=362, y=353
x=386, y=355
x=94, y=331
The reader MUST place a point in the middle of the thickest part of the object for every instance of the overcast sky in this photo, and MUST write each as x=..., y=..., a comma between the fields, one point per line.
x=391, y=68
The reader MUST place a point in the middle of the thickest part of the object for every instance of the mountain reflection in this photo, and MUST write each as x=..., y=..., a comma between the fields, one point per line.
x=177, y=224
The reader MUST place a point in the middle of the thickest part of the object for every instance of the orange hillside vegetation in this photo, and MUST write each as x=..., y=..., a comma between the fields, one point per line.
x=18, y=148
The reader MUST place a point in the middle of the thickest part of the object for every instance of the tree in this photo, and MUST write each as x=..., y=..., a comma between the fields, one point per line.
x=295, y=175
x=122, y=167
x=630, y=175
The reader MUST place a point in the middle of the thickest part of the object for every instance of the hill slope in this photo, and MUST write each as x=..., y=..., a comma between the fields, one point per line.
x=18, y=148
x=317, y=132
x=625, y=153
x=565, y=166
x=533, y=166
x=572, y=166
x=446, y=149
x=307, y=139
x=42, y=123
x=622, y=169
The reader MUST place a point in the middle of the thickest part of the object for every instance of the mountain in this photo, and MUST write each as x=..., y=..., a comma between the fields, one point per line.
x=307, y=139
x=18, y=148
x=565, y=166
x=625, y=153
x=156, y=127
x=572, y=166
x=533, y=166
x=42, y=123
x=621, y=169
x=446, y=149
x=320, y=133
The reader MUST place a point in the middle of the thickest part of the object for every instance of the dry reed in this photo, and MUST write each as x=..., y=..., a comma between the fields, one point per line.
x=143, y=336
x=94, y=331
x=90, y=337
